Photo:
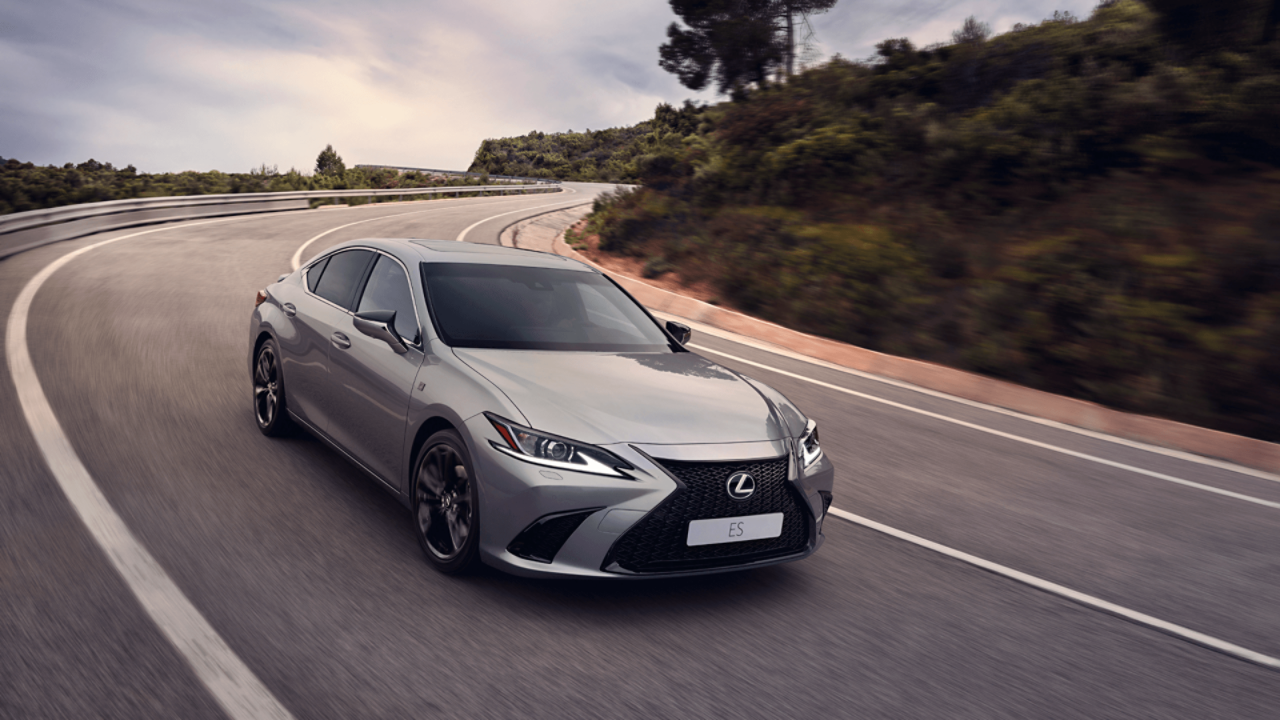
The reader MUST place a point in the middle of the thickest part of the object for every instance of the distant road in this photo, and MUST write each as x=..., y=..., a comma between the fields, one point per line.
x=310, y=574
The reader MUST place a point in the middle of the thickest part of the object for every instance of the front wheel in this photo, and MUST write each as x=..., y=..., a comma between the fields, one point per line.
x=268, y=391
x=446, y=511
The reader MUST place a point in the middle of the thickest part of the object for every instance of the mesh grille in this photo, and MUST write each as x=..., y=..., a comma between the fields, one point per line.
x=546, y=535
x=657, y=542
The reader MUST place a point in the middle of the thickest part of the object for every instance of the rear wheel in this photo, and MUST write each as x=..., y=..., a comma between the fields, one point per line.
x=446, y=514
x=268, y=391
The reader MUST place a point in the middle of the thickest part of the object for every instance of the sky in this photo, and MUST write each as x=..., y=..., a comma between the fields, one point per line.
x=232, y=85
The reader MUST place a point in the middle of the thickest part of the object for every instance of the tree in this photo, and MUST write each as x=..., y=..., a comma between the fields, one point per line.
x=329, y=162
x=787, y=11
x=896, y=53
x=971, y=31
x=738, y=42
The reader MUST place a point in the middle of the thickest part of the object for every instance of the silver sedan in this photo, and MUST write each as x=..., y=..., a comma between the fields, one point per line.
x=534, y=417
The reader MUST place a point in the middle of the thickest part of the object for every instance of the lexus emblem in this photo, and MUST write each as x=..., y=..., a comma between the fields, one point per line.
x=741, y=486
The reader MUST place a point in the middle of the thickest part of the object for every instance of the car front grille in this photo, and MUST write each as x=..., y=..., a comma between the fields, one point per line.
x=657, y=543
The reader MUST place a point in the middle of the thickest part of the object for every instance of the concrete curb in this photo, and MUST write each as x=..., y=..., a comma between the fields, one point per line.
x=508, y=235
x=1069, y=411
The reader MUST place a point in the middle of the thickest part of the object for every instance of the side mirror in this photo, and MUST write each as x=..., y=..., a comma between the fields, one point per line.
x=681, y=333
x=381, y=325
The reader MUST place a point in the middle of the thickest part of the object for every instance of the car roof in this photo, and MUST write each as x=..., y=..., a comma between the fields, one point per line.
x=411, y=250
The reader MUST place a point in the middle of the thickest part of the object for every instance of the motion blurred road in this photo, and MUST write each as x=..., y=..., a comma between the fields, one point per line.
x=310, y=573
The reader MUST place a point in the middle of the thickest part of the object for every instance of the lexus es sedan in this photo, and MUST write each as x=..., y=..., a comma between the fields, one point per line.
x=533, y=416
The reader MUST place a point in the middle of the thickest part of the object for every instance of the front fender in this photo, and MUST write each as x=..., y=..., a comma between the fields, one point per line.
x=448, y=390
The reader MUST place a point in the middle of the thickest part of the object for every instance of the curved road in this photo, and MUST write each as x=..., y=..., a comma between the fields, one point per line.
x=310, y=574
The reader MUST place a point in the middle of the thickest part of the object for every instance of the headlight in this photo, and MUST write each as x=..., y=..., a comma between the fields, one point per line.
x=557, y=452
x=810, y=448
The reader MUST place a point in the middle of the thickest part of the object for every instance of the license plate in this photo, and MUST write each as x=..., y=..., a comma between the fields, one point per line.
x=734, y=529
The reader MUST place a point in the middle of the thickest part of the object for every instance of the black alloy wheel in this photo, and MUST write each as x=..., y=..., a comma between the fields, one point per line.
x=446, y=514
x=268, y=391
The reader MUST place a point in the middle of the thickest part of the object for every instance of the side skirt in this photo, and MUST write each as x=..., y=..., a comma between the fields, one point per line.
x=339, y=449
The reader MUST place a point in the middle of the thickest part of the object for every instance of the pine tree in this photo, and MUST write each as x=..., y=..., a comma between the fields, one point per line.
x=329, y=162
x=736, y=42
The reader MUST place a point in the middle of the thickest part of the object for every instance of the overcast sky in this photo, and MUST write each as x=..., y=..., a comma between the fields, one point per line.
x=230, y=84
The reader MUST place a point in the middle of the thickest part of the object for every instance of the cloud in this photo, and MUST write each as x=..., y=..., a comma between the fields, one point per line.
x=230, y=85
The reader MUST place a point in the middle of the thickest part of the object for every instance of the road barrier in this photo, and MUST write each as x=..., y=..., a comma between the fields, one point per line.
x=457, y=173
x=24, y=231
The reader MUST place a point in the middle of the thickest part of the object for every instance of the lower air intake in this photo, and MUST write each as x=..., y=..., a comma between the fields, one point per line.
x=546, y=535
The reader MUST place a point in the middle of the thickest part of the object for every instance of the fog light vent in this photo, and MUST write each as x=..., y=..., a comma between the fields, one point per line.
x=546, y=535
x=826, y=501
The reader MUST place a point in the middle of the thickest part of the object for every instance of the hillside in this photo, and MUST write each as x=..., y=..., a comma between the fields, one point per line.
x=613, y=155
x=1087, y=207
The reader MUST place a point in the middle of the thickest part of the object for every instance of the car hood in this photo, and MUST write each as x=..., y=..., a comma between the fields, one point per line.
x=650, y=398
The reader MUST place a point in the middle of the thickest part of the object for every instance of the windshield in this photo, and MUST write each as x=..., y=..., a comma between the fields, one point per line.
x=524, y=308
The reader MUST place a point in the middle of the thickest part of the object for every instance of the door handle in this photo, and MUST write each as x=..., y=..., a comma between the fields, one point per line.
x=340, y=340
x=290, y=310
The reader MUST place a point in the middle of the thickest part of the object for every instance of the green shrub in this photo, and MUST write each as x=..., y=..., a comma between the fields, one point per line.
x=655, y=266
x=25, y=186
x=613, y=155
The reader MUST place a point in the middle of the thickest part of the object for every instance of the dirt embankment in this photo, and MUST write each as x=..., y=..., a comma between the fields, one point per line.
x=589, y=245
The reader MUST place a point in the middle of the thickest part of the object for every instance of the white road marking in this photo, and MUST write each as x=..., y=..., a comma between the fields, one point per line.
x=1005, y=435
x=462, y=236
x=229, y=680
x=1066, y=592
x=1155, y=449
x=296, y=261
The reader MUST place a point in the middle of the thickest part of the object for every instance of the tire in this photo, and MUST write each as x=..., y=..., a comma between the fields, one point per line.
x=445, y=504
x=268, y=392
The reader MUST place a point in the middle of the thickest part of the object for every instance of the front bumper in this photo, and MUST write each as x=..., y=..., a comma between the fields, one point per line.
x=597, y=511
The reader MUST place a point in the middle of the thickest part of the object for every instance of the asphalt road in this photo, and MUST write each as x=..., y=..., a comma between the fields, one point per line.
x=310, y=573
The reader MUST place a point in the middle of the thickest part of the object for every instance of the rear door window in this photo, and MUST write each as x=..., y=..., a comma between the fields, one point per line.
x=388, y=289
x=342, y=275
x=314, y=273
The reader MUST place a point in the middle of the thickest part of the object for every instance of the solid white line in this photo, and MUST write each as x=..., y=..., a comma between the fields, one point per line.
x=1007, y=436
x=462, y=236
x=296, y=261
x=229, y=680
x=1066, y=592
x=1155, y=449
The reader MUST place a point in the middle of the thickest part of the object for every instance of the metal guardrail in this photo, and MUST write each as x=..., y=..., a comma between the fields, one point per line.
x=457, y=173
x=24, y=231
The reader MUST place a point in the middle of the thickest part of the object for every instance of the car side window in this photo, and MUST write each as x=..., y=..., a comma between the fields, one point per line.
x=314, y=273
x=342, y=274
x=388, y=289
